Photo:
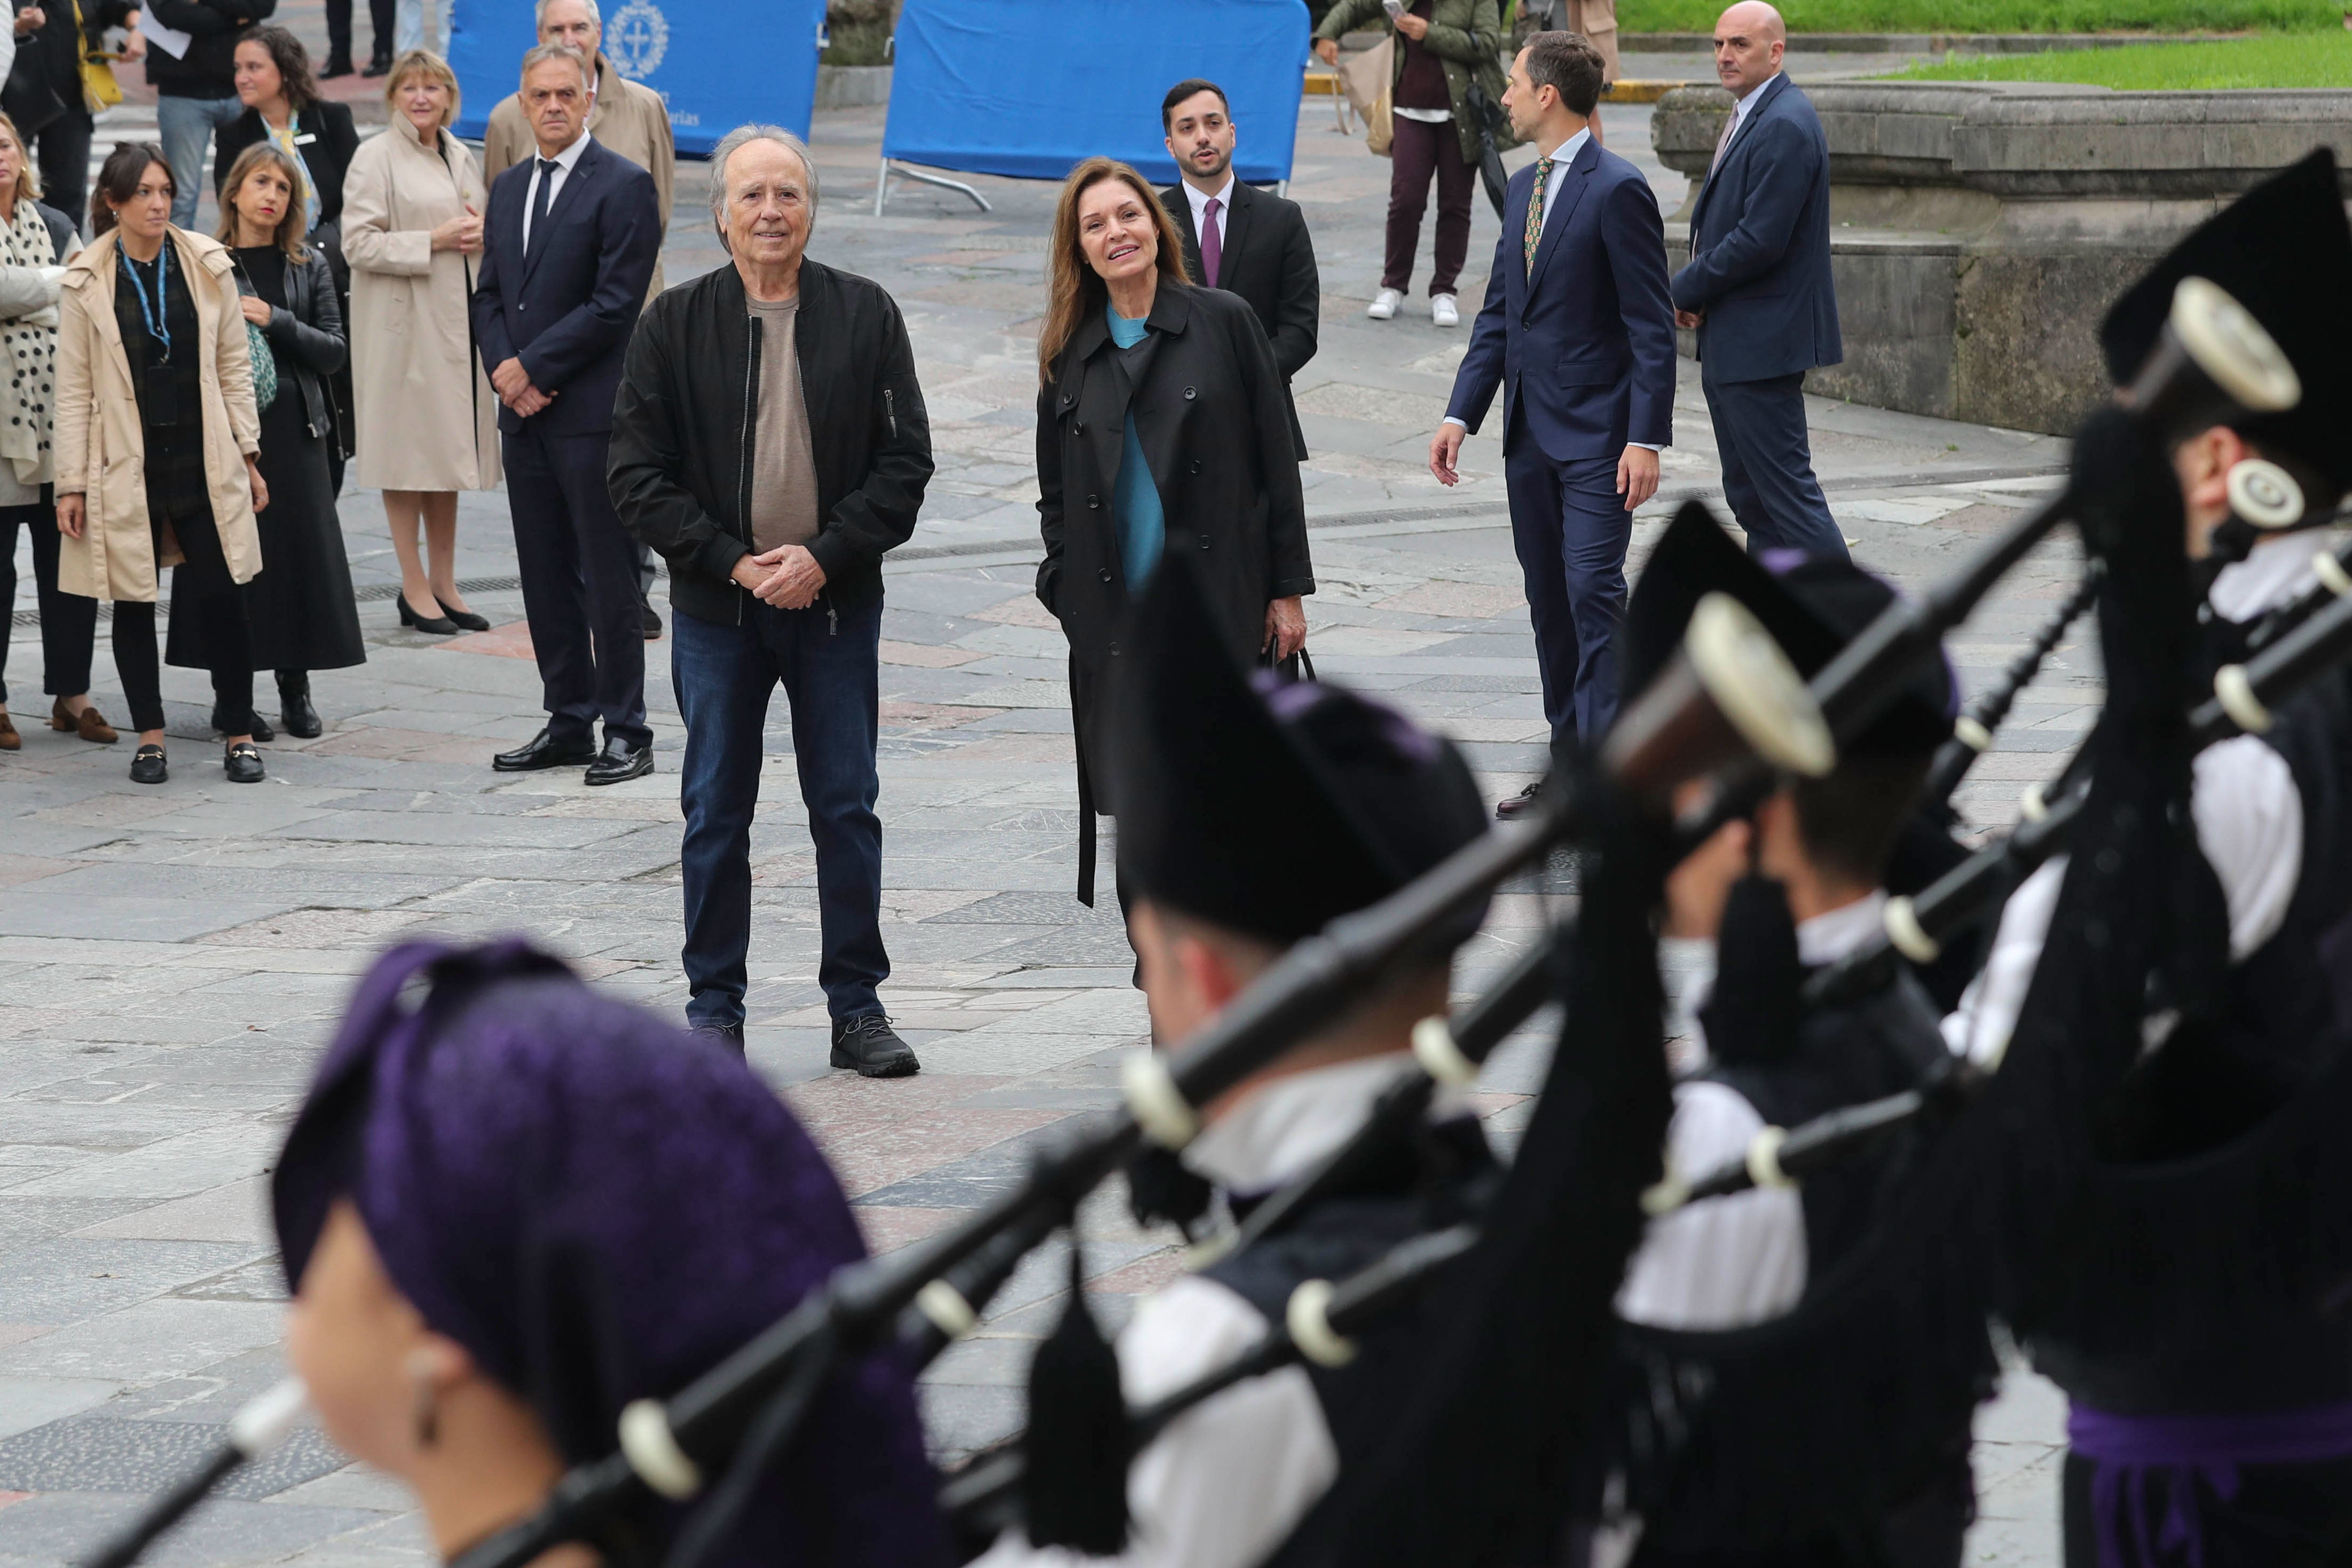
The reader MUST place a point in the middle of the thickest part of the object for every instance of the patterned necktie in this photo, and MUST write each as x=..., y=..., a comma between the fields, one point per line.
x=546, y=195
x=1212, y=245
x=1534, y=215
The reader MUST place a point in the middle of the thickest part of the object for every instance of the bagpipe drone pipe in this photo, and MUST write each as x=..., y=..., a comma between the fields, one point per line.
x=1728, y=709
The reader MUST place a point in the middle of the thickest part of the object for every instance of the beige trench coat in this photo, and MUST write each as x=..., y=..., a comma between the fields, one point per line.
x=426, y=417
x=101, y=448
x=628, y=119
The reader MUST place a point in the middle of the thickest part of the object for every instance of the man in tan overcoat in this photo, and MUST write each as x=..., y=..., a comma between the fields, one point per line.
x=627, y=118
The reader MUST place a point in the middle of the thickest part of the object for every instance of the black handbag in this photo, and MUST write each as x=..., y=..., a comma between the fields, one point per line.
x=1298, y=667
x=27, y=96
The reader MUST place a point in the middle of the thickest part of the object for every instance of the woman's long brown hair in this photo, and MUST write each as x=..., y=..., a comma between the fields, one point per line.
x=1077, y=288
x=291, y=227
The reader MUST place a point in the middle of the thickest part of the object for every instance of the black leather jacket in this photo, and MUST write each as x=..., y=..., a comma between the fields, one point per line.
x=306, y=335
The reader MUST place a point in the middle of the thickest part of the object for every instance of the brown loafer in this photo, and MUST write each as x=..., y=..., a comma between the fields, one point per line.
x=89, y=723
x=9, y=740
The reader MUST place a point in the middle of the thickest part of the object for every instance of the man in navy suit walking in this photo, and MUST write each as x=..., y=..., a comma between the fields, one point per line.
x=1578, y=334
x=568, y=247
x=1757, y=287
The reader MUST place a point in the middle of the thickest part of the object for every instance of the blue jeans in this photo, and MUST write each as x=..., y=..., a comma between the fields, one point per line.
x=186, y=126
x=724, y=677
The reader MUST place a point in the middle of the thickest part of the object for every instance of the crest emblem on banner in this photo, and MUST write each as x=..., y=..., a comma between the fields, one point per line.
x=635, y=40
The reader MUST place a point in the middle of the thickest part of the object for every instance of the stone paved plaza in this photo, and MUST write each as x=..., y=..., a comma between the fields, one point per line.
x=173, y=959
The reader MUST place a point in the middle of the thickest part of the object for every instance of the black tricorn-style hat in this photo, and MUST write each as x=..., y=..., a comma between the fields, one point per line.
x=1812, y=606
x=2283, y=251
x=1266, y=807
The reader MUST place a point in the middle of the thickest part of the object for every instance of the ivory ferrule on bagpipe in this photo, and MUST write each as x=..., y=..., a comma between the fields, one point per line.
x=2244, y=703
x=1727, y=708
x=1319, y=1327
x=1972, y=732
x=256, y=1428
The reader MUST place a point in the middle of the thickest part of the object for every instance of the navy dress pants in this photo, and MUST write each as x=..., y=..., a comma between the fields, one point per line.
x=1570, y=527
x=1768, y=466
x=579, y=576
x=829, y=666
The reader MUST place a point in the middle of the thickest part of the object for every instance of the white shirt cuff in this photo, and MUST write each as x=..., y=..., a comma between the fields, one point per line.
x=1449, y=419
x=1648, y=445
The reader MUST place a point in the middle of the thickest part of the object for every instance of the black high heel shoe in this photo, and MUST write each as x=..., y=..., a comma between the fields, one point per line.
x=438, y=625
x=465, y=618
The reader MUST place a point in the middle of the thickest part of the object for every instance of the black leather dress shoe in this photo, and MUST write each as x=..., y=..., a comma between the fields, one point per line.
x=294, y=709
x=378, y=66
x=336, y=66
x=224, y=724
x=620, y=762
x=650, y=619
x=242, y=763
x=1517, y=805
x=730, y=1035
x=870, y=1044
x=542, y=750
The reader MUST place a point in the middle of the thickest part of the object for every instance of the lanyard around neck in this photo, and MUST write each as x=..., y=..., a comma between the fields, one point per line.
x=152, y=311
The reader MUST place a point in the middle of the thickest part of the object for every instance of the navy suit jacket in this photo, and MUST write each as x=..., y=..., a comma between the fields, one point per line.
x=568, y=311
x=1761, y=247
x=1584, y=347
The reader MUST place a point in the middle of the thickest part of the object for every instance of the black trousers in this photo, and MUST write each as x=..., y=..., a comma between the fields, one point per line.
x=200, y=587
x=68, y=622
x=579, y=571
x=64, y=157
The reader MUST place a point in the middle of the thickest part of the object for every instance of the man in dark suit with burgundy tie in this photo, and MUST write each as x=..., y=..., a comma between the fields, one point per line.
x=1578, y=334
x=568, y=247
x=1244, y=241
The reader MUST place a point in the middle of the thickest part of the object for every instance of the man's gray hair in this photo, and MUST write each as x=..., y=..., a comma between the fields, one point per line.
x=734, y=141
x=540, y=54
x=539, y=13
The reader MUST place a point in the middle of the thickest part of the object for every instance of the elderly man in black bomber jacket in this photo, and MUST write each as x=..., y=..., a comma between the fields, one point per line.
x=773, y=455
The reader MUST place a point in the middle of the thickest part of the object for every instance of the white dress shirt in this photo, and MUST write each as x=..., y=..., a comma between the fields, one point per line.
x=1562, y=156
x=1224, y=200
x=1229, y=1480
x=2244, y=800
x=566, y=162
x=1739, y=1259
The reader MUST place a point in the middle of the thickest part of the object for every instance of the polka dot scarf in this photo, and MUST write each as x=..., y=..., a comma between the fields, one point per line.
x=29, y=346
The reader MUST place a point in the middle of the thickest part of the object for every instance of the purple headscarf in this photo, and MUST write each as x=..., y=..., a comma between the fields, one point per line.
x=599, y=1209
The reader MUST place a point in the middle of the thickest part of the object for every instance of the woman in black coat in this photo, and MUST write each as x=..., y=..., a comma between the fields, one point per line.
x=1138, y=364
x=300, y=606
x=282, y=104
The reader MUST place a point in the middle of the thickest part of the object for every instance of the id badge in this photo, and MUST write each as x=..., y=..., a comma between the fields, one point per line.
x=161, y=403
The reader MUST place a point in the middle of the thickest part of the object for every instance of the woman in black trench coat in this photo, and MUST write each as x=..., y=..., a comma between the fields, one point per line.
x=1136, y=360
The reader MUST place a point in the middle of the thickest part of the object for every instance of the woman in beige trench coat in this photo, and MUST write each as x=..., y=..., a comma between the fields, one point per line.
x=428, y=428
x=155, y=440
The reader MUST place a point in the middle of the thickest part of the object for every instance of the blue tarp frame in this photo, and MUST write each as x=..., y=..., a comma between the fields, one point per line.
x=1029, y=87
x=717, y=63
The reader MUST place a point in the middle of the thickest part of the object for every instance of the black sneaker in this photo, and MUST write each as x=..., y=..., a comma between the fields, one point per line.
x=730, y=1035
x=868, y=1043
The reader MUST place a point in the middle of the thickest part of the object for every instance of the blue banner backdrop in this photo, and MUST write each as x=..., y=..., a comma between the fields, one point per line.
x=1028, y=88
x=713, y=64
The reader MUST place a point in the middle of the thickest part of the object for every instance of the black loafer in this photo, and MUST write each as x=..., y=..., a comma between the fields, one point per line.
x=294, y=710
x=242, y=763
x=148, y=767
x=870, y=1044
x=730, y=1035
x=543, y=750
x=621, y=762
x=1517, y=805
x=464, y=620
x=223, y=724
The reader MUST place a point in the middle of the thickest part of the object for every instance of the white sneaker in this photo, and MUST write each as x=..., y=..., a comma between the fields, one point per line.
x=1441, y=312
x=1384, y=304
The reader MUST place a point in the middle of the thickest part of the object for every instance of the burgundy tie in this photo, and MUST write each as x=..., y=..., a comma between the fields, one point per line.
x=1212, y=245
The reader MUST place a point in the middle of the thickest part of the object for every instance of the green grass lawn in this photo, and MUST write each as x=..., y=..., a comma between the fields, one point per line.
x=2312, y=60
x=2003, y=15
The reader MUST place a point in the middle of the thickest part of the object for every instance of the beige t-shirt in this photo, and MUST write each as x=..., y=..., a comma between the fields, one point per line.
x=783, y=462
